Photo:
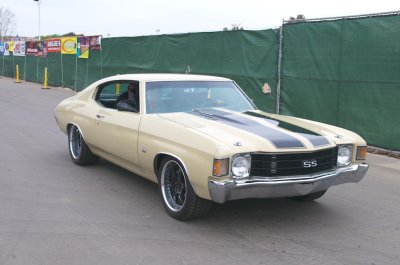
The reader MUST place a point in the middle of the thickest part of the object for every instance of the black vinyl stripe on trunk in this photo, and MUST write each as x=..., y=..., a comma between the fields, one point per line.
x=277, y=138
x=316, y=139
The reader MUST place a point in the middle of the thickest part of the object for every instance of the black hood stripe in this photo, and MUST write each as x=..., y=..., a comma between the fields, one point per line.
x=316, y=139
x=278, y=138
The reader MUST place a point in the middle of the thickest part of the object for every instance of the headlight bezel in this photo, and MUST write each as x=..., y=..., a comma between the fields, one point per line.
x=244, y=160
x=346, y=148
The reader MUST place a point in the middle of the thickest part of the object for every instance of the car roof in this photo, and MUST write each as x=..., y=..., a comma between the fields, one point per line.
x=166, y=77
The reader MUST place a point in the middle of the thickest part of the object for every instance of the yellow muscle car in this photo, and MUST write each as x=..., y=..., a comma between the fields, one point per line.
x=203, y=140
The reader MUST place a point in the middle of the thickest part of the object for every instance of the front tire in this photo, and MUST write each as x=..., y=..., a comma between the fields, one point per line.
x=78, y=149
x=309, y=197
x=177, y=194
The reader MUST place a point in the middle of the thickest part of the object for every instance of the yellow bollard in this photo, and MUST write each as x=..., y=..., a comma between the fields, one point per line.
x=45, y=81
x=117, y=88
x=17, y=74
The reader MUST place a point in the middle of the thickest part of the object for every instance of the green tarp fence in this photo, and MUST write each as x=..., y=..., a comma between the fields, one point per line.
x=248, y=57
x=344, y=72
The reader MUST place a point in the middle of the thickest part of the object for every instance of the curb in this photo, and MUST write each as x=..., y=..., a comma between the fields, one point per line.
x=380, y=151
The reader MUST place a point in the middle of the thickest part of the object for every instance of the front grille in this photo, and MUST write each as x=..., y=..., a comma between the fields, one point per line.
x=272, y=165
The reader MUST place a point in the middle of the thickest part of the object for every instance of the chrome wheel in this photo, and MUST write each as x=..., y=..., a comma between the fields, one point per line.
x=173, y=185
x=177, y=194
x=75, y=142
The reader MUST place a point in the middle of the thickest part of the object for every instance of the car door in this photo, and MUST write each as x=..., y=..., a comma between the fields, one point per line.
x=117, y=131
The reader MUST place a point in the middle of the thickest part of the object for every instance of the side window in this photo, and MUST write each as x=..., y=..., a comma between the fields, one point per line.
x=108, y=94
x=111, y=93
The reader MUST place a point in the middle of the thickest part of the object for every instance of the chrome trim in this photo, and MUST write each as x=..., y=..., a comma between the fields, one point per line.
x=244, y=94
x=281, y=152
x=260, y=187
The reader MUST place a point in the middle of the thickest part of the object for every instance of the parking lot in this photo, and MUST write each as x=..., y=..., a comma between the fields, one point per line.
x=54, y=212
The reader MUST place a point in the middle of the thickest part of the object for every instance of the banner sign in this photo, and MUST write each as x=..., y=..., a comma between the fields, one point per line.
x=1, y=48
x=83, y=47
x=6, y=49
x=31, y=48
x=19, y=48
x=68, y=45
x=95, y=43
x=53, y=45
x=41, y=49
x=11, y=46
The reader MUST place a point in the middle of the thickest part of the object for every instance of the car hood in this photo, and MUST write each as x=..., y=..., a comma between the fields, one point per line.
x=261, y=131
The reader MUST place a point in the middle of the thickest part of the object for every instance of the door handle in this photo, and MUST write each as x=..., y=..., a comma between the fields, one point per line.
x=100, y=116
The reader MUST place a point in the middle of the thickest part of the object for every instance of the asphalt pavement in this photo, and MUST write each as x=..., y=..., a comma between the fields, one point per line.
x=54, y=212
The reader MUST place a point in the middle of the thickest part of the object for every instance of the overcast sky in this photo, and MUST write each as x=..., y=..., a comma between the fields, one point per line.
x=149, y=17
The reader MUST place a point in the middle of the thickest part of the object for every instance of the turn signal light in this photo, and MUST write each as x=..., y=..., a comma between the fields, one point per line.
x=361, y=153
x=221, y=167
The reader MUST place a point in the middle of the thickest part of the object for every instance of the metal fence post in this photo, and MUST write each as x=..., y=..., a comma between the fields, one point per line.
x=25, y=69
x=76, y=71
x=62, y=71
x=278, y=87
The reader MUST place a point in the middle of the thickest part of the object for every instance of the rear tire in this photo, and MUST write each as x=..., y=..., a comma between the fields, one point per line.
x=177, y=194
x=78, y=149
x=309, y=197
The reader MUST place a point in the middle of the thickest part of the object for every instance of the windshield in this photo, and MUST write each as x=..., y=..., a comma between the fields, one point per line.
x=185, y=96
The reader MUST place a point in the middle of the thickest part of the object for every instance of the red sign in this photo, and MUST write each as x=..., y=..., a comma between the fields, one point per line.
x=95, y=43
x=31, y=48
x=53, y=45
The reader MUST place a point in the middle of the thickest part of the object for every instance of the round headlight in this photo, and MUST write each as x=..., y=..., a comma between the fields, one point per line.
x=241, y=166
x=344, y=156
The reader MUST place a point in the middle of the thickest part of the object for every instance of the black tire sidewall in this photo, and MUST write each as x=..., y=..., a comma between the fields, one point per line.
x=86, y=157
x=182, y=213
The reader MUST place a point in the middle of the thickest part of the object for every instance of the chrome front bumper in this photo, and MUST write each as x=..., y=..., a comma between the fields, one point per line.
x=263, y=187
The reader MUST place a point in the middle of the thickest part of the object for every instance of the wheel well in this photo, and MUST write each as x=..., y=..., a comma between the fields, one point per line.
x=69, y=126
x=157, y=162
x=73, y=124
x=160, y=157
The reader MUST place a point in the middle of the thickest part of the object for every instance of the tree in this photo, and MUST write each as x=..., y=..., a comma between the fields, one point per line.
x=69, y=34
x=233, y=28
x=7, y=22
x=298, y=17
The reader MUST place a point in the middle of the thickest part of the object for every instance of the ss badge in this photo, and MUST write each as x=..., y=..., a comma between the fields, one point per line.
x=309, y=163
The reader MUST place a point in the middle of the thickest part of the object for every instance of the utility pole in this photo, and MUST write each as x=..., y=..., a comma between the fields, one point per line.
x=38, y=3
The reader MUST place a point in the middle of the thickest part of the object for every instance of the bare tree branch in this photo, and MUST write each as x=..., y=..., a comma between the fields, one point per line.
x=7, y=22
